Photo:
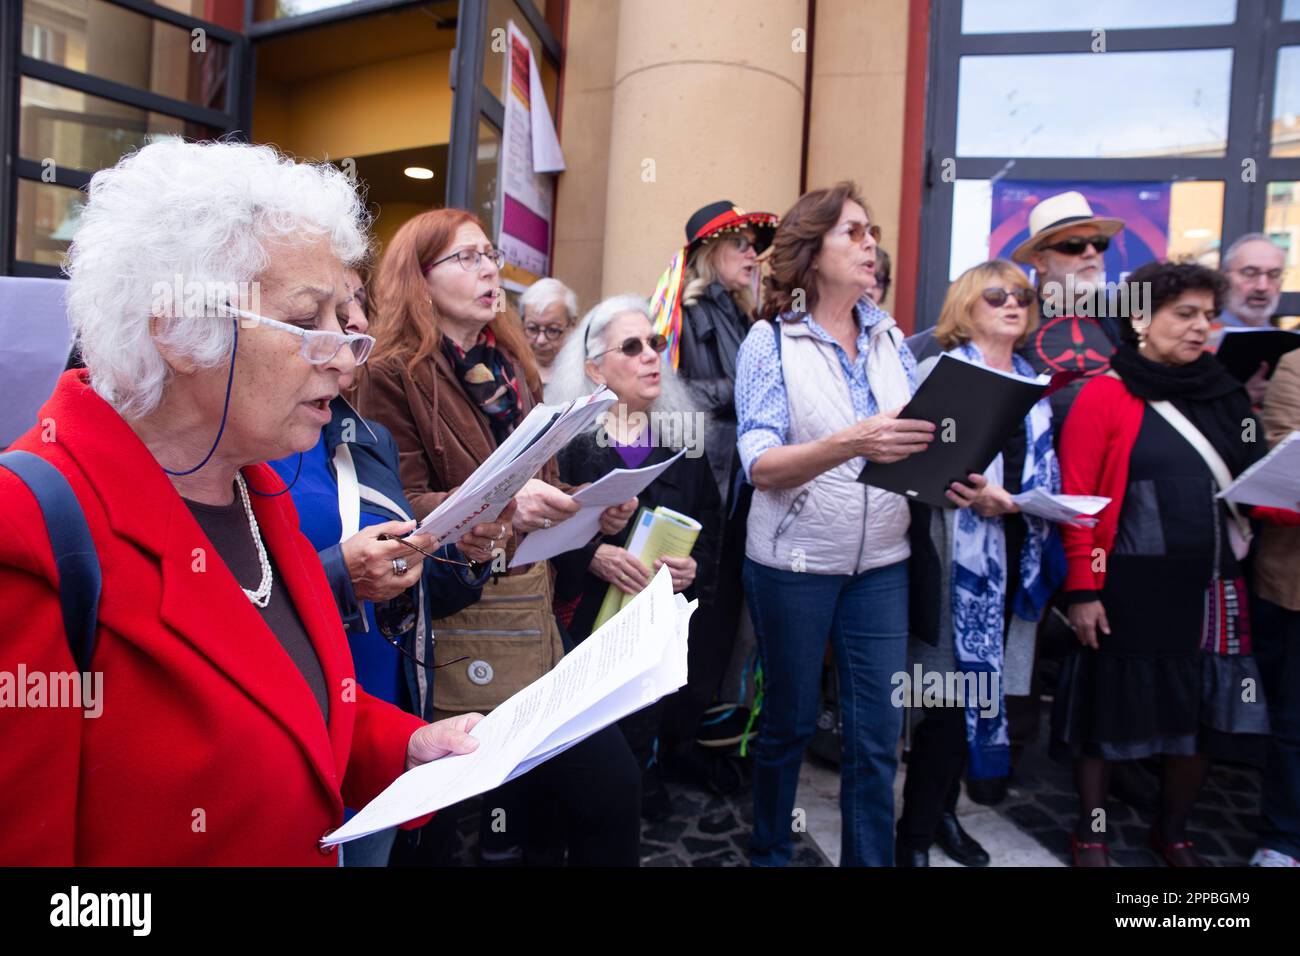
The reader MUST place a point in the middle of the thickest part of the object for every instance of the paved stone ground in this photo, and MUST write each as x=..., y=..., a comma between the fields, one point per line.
x=1030, y=827
x=1041, y=801
x=709, y=830
x=704, y=830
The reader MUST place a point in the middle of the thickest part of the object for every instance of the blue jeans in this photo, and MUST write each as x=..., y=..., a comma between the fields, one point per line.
x=1276, y=633
x=865, y=618
x=370, y=850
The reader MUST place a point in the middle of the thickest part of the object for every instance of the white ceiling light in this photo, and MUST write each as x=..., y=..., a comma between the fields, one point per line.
x=418, y=172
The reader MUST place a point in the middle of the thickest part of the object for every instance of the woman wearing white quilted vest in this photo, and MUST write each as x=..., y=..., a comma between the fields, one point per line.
x=819, y=385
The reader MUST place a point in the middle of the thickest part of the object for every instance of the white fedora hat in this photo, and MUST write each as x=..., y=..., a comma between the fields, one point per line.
x=1059, y=212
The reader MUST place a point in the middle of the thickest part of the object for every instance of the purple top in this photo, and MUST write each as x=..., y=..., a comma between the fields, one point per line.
x=635, y=454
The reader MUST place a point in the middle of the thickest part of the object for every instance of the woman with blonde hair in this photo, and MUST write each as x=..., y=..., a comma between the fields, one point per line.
x=451, y=376
x=992, y=569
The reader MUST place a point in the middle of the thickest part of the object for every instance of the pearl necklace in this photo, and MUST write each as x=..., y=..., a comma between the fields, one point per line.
x=262, y=596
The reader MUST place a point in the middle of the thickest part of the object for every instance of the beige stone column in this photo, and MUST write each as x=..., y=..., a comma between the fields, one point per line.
x=708, y=104
x=855, y=129
x=585, y=120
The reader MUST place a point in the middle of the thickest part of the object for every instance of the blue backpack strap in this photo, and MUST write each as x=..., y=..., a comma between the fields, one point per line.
x=74, y=549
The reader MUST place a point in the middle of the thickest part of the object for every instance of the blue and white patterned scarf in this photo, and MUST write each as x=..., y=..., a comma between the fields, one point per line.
x=979, y=582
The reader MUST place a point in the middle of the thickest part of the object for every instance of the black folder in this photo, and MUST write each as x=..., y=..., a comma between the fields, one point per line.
x=975, y=409
x=1243, y=349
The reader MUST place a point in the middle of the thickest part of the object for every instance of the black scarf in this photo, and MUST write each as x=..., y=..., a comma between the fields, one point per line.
x=489, y=379
x=1206, y=392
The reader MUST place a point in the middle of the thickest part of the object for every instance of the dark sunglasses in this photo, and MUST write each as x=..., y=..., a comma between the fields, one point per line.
x=1075, y=245
x=996, y=297
x=632, y=347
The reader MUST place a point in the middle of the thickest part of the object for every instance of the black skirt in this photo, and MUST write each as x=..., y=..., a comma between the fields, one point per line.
x=1149, y=688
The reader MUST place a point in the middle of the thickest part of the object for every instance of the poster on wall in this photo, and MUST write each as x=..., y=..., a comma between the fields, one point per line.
x=529, y=155
x=1143, y=206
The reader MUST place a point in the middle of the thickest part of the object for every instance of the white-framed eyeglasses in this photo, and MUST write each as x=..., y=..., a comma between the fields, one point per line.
x=318, y=345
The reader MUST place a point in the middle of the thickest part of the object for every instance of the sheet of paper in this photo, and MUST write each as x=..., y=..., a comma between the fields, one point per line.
x=636, y=658
x=547, y=155
x=1063, y=509
x=37, y=342
x=537, y=439
x=1273, y=481
x=613, y=489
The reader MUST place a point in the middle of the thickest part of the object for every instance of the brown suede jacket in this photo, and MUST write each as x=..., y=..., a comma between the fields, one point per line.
x=441, y=434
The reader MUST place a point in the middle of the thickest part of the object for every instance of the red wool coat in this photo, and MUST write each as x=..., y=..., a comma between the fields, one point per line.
x=210, y=749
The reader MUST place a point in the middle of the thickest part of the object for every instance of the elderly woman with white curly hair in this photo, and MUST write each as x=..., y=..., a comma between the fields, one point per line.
x=654, y=419
x=208, y=296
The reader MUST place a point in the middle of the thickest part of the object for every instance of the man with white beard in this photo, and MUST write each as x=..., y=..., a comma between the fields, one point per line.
x=1254, y=266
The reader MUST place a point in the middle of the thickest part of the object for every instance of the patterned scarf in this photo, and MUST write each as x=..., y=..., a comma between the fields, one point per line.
x=489, y=379
x=979, y=584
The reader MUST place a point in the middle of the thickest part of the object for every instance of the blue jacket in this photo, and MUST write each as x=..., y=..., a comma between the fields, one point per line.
x=443, y=589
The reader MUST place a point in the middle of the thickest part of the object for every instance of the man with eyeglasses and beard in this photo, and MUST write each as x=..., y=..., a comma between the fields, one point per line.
x=1254, y=267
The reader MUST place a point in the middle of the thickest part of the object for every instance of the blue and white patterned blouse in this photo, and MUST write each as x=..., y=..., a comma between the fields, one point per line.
x=762, y=409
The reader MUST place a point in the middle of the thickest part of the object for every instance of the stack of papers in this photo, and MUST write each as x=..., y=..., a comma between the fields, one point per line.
x=620, y=485
x=635, y=659
x=1063, y=509
x=1273, y=481
x=535, y=440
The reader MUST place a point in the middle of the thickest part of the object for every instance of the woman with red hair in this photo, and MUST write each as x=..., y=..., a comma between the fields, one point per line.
x=451, y=376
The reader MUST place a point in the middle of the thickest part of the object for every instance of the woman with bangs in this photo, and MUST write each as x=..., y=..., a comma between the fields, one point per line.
x=992, y=567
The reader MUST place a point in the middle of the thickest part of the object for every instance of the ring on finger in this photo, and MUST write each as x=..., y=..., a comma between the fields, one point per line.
x=546, y=522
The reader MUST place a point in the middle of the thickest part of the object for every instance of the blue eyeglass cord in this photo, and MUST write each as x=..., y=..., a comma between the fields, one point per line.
x=221, y=429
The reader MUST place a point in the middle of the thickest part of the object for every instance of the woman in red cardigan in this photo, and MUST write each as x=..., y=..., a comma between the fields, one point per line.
x=1155, y=589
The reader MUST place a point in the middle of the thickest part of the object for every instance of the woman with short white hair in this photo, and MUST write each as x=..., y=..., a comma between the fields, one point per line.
x=550, y=308
x=208, y=296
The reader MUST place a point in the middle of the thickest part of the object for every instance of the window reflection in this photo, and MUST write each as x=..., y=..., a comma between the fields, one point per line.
x=108, y=41
x=1037, y=16
x=1087, y=105
x=486, y=172
x=85, y=132
x=47, y=218
x=1282, y=223
x=1286, y=103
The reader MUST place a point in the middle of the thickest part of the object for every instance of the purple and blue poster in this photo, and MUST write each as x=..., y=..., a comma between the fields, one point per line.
x=1144, y=207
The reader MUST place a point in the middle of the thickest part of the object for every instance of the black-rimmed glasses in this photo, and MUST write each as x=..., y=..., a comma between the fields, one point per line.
x=469, y=259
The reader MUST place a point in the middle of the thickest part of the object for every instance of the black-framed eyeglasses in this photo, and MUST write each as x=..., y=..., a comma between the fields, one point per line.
x=997, y=297
x=631, y=347
x=552, y=332
x=1075, y=245
x=469, y=259
x=398, y=616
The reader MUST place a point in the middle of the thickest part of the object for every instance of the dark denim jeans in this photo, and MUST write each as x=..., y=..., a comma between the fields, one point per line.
x=1276, y=633
x=864, y=616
